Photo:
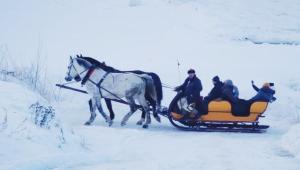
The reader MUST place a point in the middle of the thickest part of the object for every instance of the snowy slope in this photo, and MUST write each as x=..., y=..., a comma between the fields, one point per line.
x=22, y=140
x=26, y=146
x=214, y=37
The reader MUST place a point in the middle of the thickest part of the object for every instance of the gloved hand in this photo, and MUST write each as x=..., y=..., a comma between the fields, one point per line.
x=273, y=99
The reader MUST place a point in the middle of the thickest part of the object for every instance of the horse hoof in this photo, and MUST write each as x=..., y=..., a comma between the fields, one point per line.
x=157, y=118
x=145, y=126
x=87, y=123
x=123, y=123
x=110, y=123
x=140, y=122
x=112, y=117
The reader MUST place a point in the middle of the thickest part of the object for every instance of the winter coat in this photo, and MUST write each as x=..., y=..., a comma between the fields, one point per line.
x=236, y=92
x=228, y=93
x=216, y=92
x=264, y=94
x=191, y=87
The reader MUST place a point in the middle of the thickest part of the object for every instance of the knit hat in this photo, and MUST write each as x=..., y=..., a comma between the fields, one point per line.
x=216, y=79
x=191, y=71
x=228, y=82
x=266, y=85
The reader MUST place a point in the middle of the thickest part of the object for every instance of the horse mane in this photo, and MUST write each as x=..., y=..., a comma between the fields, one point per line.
x=99, y=64
x=84, y=63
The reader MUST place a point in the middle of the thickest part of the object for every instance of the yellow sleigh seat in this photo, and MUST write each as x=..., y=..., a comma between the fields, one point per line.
x=258, y=107
x=219, y=106
x=220, y=111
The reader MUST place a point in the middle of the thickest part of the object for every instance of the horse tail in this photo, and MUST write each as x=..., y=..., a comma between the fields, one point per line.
x=158, y=86
x=150, y=87
x=157, y=83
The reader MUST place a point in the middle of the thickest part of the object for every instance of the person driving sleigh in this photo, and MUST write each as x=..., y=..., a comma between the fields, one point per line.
x=190, y=89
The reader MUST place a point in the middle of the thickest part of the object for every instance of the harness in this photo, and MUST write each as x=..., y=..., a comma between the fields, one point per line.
x=100, y=82
x=88, y=75
x=87, y=78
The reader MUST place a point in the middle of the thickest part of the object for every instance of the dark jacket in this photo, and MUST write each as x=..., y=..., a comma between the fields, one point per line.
x=227, y=93
x=191, y=87
x=216, y=92
x=264, y=94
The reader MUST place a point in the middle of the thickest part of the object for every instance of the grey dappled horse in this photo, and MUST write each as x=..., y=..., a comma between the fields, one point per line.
x=102, y=84
x=156, y=105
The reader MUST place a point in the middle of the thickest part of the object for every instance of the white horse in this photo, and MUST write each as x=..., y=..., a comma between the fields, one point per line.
x=102, y=84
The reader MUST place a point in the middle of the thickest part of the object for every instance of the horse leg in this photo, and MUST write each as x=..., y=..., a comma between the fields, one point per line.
x=154, y=110
x=148, y=118
x=143, y=116
x=141, y=121
x=133, y=108
x=109, y=107
x=100, y=109
x=92, y=105
x=145, y=106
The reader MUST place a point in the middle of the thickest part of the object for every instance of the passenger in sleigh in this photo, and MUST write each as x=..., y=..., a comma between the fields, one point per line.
x=230, y=92
x=266, y=93
x=222, y=91
x=241, y=107
x=214, y=94
x=190, y=89
x=216, y=91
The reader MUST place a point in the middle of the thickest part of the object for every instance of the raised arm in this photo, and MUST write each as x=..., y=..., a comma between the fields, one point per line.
x=254, y=87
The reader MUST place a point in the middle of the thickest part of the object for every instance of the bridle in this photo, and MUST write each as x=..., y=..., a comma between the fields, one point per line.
x=78, y=74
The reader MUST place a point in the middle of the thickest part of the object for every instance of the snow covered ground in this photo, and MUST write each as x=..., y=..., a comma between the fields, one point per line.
x=214, y=37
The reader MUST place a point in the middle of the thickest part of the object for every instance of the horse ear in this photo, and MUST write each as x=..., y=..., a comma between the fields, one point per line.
x=71, y=58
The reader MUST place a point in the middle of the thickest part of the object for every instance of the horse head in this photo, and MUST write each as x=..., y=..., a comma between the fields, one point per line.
x=77, y=66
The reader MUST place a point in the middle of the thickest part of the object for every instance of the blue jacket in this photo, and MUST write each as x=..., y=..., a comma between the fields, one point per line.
x=264, y=94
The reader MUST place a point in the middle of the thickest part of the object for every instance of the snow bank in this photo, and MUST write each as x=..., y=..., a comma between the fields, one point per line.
x=25, y=129
x=291, y=141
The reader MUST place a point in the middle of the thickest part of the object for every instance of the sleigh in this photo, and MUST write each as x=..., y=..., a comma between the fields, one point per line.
x=218, y=119
x=221, y=118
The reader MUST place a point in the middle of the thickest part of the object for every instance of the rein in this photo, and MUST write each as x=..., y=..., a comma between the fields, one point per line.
x=167, y=86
